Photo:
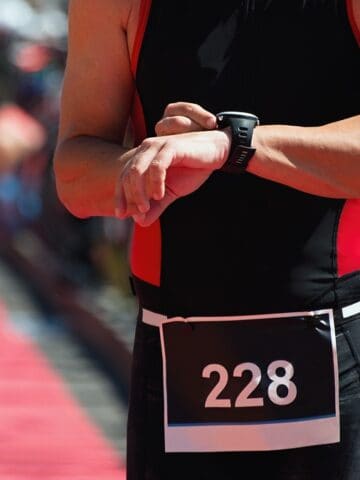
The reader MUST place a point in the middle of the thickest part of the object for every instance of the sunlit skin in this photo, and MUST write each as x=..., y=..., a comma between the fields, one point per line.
x=97, y=176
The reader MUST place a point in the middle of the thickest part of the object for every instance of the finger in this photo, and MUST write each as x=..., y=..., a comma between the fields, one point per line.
x=122, y=208
x=134, y=178
x=120, y=201
x=156, y=174
x=155, y=180
x=134, y=190
x=175, y=125
x=195, y=112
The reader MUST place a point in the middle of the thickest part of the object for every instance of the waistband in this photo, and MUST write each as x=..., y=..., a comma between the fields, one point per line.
x=341, y=314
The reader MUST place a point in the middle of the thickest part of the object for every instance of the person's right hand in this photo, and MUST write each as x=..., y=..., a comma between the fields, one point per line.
x=164, y=168
x=173, y=164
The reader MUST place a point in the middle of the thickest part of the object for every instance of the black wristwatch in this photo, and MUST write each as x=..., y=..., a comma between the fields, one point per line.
x=242, y=125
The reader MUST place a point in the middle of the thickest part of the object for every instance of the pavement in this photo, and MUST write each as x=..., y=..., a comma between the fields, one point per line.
x=83, y=341
x=98, y=315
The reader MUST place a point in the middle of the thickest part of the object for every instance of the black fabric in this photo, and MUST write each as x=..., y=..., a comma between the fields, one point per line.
x=242, y=244
x=289, y=62
x=147, y=460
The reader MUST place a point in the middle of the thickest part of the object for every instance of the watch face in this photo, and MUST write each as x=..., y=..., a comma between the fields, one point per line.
x=249, y=116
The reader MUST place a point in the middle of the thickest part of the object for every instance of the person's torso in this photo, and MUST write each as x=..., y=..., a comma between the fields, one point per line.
x=242, y=244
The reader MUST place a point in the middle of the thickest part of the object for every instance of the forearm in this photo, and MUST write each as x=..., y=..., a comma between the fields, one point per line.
x=87, y=170
x=323, y=161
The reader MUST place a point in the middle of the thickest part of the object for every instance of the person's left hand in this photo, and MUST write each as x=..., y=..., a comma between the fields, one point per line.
x=182, y=117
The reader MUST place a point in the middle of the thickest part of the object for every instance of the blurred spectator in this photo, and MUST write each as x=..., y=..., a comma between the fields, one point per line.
x=32, y=59
x=20, y=136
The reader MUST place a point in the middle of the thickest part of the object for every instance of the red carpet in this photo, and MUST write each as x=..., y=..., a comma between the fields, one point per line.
x=44, y=433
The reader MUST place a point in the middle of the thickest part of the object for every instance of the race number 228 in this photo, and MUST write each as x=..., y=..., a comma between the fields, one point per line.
x=243, y=399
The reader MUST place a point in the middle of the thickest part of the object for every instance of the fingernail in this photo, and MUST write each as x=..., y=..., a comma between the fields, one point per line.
x=211, y=123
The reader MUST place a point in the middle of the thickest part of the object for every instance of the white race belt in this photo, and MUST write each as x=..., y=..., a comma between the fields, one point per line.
x=249, y=383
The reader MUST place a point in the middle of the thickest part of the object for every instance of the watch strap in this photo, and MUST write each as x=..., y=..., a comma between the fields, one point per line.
x=241, y=151
x=238, y=159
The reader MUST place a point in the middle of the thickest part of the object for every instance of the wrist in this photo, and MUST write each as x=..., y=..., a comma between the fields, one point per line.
x=275, y=145
x=223, y=144
x=266, y=142
x=228, y=134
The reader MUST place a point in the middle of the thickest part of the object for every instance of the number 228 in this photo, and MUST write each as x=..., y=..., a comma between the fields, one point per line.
x=243, y=399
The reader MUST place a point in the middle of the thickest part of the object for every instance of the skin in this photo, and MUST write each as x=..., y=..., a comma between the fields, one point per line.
x=97, y=176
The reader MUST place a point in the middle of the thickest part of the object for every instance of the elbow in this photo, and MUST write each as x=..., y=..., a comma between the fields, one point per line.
x=66, y=198
x=68, y=187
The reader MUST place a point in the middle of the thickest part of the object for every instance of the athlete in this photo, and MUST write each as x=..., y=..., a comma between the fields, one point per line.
x=230, y=133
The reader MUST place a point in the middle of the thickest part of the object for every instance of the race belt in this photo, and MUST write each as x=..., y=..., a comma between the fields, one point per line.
x=249, y=383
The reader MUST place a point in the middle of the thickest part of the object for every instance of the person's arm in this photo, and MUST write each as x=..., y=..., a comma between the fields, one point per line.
x=95, y=175
x=322, y=160
x=96, y=100
x=91, y=166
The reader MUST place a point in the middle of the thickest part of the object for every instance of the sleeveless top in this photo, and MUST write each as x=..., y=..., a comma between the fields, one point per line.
x=242, y=244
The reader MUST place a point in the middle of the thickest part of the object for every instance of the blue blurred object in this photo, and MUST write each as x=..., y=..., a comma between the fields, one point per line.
x=29, y=204
x=20, y=203
x=9, y=188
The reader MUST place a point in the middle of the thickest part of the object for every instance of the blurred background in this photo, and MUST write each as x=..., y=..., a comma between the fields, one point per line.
x=67, y=313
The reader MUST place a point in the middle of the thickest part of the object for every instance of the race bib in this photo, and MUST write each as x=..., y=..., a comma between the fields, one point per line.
x=250, y=383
